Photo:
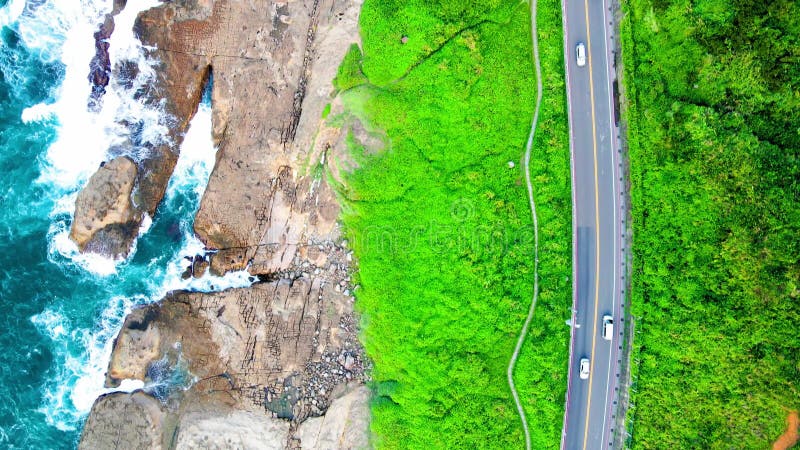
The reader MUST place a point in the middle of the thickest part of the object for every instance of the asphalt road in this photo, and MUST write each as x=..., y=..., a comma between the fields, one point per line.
x=597, y=225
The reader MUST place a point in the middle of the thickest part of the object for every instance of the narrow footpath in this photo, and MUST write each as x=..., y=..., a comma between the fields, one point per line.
x=527, y=159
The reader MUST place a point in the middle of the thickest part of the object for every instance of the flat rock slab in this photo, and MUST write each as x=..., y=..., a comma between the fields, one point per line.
x=149, y=425
x=143, y=415
x=342, y=427
x=236, y=430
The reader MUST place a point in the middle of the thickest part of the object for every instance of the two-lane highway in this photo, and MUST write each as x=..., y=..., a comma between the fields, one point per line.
x=597, y=284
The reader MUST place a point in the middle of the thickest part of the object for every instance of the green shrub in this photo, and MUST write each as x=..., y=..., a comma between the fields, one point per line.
x=714, y=144
x=349, y=74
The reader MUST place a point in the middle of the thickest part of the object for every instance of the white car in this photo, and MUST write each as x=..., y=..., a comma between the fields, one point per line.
x=608, y=327
x=580, y=54
x=584, y=368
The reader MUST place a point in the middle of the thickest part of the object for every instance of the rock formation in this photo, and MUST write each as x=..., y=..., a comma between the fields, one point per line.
x=243, y=368
x=106, y=221
x=261, y=359
x=144, y=421
x=343, y=428
x=258, y=205
x=264, y=57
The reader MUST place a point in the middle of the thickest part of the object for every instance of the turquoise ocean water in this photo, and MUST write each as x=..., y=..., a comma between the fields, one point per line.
x=60, y=311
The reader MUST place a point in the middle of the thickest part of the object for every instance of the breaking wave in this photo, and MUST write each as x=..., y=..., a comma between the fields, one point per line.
x=66, y=308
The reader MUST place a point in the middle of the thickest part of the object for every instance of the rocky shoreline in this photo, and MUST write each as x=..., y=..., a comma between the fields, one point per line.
x=277, y=365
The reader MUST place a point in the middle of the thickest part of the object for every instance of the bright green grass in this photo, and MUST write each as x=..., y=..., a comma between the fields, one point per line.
x=349, y=74
x=714, y=119
x=442, y=228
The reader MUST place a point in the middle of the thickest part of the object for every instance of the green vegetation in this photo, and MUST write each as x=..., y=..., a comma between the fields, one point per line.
x=714, y=115
x=349, y=74
x=441, y=225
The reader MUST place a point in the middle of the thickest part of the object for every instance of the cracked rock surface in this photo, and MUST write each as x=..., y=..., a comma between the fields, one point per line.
x=276, y=365
x=271, y=63
x=269, y=356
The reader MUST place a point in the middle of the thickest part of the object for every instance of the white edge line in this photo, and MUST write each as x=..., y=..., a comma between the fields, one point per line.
x=614, y=171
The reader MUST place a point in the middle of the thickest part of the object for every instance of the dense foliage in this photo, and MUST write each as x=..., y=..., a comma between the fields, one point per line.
x=349, y=74
x=715, y=170
x=440, y=222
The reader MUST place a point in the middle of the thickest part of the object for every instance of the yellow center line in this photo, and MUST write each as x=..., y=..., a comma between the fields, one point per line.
x=596, y=228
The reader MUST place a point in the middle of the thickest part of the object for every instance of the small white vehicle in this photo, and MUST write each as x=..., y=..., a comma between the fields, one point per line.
x=608, y=327
x=584, y=368
x=580, y=54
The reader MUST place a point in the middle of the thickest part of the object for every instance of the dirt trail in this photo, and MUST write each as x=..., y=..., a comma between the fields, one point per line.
x=789, y=437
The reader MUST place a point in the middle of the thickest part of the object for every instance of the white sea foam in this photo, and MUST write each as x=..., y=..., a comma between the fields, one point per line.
x=147, y=222
x=206, y=283
x=197, y=156
x=90, y=372
x=125, y=46
x=83, y=355
x=119, y=101
x=61, y=244
x=84, y=136
x=191, y=174
x=64, y=31
x=11, y=12
x=194, y=166
x=80, y=375
x=38, y=112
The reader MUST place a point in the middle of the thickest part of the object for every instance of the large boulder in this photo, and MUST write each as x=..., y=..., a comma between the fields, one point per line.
x=106, y=221
x=124, y=421
x=343, y=427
